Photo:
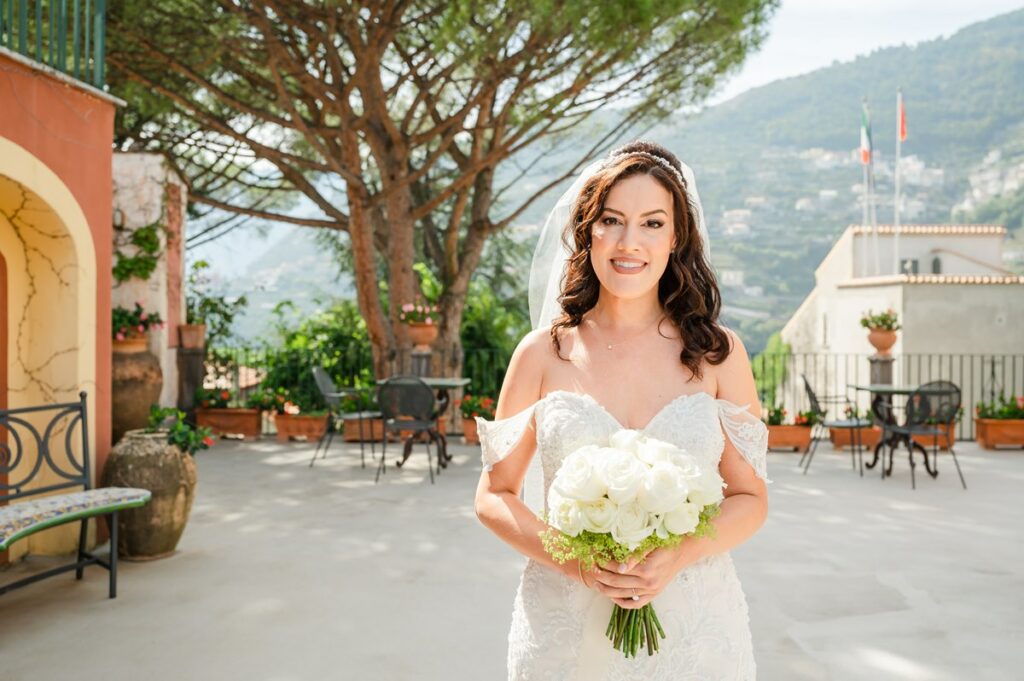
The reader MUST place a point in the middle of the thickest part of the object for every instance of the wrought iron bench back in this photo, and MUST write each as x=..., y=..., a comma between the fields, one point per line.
x=20, y=438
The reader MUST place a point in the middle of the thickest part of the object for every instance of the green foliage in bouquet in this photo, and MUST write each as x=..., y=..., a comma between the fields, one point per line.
x=591, y=548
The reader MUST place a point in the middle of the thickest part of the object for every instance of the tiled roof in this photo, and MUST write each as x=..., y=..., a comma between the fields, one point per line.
x=891, y=279
x=907, y=230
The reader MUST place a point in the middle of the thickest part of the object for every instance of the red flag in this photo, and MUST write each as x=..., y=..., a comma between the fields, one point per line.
x=901, y=116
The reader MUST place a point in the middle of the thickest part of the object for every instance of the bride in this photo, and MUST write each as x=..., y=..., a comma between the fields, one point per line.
x=626, y=335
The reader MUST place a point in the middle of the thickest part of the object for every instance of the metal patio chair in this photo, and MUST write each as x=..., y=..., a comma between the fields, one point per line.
x=408, y=404
x=929, y=413
x=823, y=424
x=332, y=397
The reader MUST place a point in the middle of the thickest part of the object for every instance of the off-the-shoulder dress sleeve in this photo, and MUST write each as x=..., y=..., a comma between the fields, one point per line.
x=498, y=438
x=748, y=433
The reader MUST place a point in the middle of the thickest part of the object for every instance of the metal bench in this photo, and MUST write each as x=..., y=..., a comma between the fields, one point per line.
x=20, y=437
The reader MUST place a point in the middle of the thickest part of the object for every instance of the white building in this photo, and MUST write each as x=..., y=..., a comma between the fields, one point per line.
x=953, y=299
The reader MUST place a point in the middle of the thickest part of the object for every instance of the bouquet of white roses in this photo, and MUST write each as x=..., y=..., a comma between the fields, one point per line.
x=622, y=501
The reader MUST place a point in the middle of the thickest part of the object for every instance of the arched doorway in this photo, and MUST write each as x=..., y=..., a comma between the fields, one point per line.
x=47, y=353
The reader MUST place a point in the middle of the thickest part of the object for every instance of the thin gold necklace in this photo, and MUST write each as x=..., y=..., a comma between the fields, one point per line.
x=609, y=346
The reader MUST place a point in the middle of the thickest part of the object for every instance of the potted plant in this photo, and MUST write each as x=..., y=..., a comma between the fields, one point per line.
x=882, y=329
x=299, y=419
x=136, y=376
x=362, y=401
x=422, y=322
x=213, y=411
x=130, y=326
x=868, y=436
x=1000, y=422
x=206, y=315
x=795, y=436
x=472, y=406
x=158, y=458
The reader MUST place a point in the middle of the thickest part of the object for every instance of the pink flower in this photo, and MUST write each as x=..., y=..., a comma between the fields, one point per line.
x=144, y=316
x=140, y=328
x=408, y=307
x=119, y=336
x=428, y=320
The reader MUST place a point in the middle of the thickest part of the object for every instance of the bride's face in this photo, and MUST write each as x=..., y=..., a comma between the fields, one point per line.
x=634, y=236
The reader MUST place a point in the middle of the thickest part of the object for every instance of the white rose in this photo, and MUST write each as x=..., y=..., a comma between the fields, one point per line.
x=682, y=520
x=687, y=465
x=626, y=440
x=578, y=477
x=598, y=516
x=623, y=474
x=663, y=489
x=653, y=451
x=632, y=525
x=707, y=489
x=564, y=514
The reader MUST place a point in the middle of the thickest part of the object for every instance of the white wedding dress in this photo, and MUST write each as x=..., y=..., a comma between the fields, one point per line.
x=558, y=625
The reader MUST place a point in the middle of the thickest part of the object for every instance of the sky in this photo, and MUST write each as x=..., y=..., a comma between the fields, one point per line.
x=803, y=35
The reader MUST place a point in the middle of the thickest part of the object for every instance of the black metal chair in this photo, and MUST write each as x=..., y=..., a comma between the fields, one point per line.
x=932, y=409
x=823, y=424
x=332, y=397
x=407, y=404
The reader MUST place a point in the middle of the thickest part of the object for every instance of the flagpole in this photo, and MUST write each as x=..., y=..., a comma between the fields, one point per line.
x=871, y=192
x=896, y=201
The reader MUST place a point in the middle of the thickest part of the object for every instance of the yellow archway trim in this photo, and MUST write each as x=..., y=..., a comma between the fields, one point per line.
x=20, y=165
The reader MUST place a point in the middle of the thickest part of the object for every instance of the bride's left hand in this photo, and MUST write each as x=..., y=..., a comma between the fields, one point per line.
x=645, y=579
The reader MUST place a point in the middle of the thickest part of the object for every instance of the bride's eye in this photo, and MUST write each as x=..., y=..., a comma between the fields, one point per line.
x=655, y=224
x=614, y=221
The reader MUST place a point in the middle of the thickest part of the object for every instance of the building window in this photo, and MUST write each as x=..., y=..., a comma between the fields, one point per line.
x=908, y=265
x=936, y=265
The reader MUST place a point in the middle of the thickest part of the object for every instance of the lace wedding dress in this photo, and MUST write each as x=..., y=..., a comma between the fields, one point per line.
x=558, y=625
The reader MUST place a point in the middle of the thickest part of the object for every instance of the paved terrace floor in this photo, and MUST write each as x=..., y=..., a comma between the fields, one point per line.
x=288, y=573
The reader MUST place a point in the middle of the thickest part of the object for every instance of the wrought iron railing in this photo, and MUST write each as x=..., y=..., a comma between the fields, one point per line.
x=980, y=377
x=778, y=377
x=67, y=35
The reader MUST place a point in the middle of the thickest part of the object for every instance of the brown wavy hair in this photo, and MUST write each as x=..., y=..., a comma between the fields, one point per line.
x=687, y=290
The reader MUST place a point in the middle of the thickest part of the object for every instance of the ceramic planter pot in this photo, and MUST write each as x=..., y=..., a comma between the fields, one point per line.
x=146, y=460
x=796, y=438
x=300, y=426
x=469, y=432
x=422, y=335
x=192, y=336
x=993, y=433
x=245, y=422
x=843, y=437
x=136, y=380
x=882, y=340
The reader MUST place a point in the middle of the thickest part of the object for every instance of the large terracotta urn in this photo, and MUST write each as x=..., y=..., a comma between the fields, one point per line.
x=882, y=340
x=147, y=461
x=137, y=381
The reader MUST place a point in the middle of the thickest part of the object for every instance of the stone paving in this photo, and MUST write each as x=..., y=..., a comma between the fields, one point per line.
x=289, y=573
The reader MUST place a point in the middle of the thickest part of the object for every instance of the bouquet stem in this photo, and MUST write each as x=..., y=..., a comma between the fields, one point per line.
x=628, y=630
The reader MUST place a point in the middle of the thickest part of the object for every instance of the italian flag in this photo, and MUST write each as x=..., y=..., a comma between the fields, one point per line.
x=865, y=134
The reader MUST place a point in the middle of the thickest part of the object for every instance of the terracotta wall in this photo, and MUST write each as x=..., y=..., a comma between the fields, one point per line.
x=69, y=129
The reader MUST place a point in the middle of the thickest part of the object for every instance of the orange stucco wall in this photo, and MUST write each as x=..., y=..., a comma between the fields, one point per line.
x=71, y=132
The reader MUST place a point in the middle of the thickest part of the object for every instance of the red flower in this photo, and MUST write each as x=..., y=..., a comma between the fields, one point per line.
x=208, y=441
x=225, y=394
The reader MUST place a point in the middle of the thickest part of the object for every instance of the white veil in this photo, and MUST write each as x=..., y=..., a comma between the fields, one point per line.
x=547, y=274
